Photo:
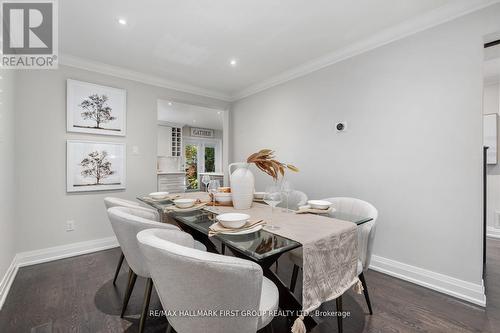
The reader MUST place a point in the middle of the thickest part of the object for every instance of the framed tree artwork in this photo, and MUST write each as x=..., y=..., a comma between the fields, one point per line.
x=95, y=109
x=95, y=166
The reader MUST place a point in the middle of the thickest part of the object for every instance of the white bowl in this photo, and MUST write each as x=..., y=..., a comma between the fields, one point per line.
x=158, y=195
x=184, y=203
x=259, y=195
x=319, y=204
x=223, y=197
x=233, y=220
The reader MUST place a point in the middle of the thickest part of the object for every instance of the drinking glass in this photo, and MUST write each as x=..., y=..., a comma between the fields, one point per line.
x=213, y=187
x=272, y=197
x=205, y=180
x=287, y=189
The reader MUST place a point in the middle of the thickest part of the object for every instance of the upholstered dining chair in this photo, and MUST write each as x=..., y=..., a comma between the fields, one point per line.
x=366, y=235
x=187, y=279
x=119, y=202
x=126, y=223
x=295, y=200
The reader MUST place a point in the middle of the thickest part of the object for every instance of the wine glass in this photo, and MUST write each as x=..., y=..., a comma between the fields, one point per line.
x=213, y=187
x=287, y=189
x=272, y=197
x=205, y=180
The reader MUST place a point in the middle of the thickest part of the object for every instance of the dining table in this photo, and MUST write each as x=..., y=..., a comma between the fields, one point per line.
x=262, y=247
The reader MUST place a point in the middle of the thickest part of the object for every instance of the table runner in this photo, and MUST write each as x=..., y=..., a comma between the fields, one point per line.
x=329, y=248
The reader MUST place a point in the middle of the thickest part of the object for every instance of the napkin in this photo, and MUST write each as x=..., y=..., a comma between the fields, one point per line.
x=307, y=209
x=217, y=228
x=168, y=197
x=174, y=208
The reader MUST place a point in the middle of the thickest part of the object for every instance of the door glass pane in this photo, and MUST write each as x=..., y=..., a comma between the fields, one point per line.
x=209, y=159
x=191, y=153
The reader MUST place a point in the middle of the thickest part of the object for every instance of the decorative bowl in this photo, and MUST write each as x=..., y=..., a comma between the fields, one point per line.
x=233, y=220
x=223, y=197
x=184, y=203
x=158, y=195
x=319, y=204
x=259, y=195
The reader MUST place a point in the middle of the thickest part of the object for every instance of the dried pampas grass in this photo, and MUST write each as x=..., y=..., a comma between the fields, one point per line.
x=265, y=161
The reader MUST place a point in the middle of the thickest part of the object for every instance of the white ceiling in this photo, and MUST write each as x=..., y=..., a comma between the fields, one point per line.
x=190, y=42
x=189, y=115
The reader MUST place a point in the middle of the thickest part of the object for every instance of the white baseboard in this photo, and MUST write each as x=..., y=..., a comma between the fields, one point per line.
x=493, y=232
x=64, y=251
x=7, y=280
x=50, y=254
x=471, y=292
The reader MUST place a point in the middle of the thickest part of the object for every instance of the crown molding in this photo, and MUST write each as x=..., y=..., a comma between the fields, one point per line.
x=124, y=73
x=443, y=14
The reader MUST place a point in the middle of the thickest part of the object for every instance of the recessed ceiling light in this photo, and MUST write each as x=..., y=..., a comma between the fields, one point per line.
x=219, y=112
x=169, y=103
x=233, y=62
x=122, y=21
x=194, y=120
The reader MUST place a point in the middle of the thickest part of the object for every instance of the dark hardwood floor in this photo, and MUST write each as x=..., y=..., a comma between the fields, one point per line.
x=77, y=295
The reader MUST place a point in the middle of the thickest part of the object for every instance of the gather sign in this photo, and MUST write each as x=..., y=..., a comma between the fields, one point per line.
x=202, y=132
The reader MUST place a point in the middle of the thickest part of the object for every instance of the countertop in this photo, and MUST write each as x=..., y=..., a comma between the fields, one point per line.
x=171, y=173
x=212, y=173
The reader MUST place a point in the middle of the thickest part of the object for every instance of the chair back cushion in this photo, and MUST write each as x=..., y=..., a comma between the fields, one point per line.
x=366, y=231
x=295, y=200
x=118, y=202
x=126, y=223
x=187, y=279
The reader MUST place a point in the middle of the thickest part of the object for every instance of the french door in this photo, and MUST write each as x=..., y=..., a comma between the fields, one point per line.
x=200, y=155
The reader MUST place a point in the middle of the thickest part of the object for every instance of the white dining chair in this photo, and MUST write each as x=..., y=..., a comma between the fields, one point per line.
x=126, y=223
x=366, y=235
x=295, y=200
x=187, y=279
x=119, y=202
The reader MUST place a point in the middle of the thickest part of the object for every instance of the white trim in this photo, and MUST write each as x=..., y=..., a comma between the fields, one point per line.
x=7, y=280
x=64, y=251
x=464, y=290
x=443, y=14
x=50, y=254
x=493, y=232
x=99, y=67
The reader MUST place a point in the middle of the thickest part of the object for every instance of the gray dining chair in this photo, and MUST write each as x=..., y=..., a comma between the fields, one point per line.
x=366, y=235
x=126, y=223
x=187, y=279
x=119, y=202
x=295, y=200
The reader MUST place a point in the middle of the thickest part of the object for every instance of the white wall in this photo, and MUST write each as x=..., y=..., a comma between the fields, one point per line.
x=7, y=186
x=413, y=146
x=491, y=100
x=44, y=206
x=164, y=140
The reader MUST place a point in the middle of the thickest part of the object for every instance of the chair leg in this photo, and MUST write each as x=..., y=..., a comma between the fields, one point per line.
x=295, y=273
x=118, y=268
x=276, y=268
x=145, y=305
x=365, y=291
x=132, y=277
x=223, y=248
x=339, y=310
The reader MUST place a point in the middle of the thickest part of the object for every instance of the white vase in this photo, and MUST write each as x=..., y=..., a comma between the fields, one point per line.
x=242, y=185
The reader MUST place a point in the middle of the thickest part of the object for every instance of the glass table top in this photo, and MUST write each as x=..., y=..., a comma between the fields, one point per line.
x=258, y=245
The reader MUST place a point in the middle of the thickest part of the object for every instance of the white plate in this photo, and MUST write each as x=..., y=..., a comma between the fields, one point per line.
x=158, y=195
x=184, y=203
x=319, y=204
x=244, y=232
x=233, y=220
